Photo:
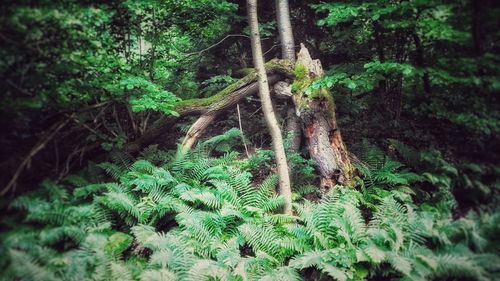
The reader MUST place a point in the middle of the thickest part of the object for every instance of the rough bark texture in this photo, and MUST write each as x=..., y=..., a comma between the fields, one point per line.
x=267, y=108
x=197, y=129
x=317, y=114
x=225, y=99
x=284, y=89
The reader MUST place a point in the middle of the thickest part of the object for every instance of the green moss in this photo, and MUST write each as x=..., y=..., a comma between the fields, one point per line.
x=300, y=71
x=302, y=80
x=274, y=66
x=301, y=86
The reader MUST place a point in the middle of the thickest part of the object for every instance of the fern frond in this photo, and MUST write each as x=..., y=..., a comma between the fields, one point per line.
x=266, y=188
x=224, y=142
x=458, y=265
x=122, y=203
x=112, y=170
x=282, y=273
x=118, y=271
x=206, y=270
x=261, y=238
x=161, y=274
x=313, y=258
x=399, y=263
x=335, y=272
x=272, y=203
x=26, y=268
x=86, y=191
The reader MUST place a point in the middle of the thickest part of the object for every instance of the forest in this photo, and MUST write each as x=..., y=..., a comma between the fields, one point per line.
x=244, y=140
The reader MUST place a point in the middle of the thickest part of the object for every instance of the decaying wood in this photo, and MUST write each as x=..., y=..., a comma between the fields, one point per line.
x=317, y=115
x=201, y=124
x=283, y=89
x=197, y=129
x=225, y=99
x=293, y=128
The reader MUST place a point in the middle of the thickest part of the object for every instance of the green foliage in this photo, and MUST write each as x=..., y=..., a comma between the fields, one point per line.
x=226, y=142
x=147, y=96
x=423, y=72
x=195, y=217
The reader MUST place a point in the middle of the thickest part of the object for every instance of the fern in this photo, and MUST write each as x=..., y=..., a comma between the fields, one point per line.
x=196, y=217
x=26, y=268
x=225, y=142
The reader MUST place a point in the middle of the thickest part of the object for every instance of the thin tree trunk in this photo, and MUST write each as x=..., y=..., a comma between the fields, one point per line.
x=477, y=27
x=382, y=84
x=288, y=53
x=265, y=96
x=420, y=62
x=285, y=30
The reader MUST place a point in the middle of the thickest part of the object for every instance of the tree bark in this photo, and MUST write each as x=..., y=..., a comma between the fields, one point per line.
x=477, y=27
x=267, y=108
x=316, y=111
x=198, y=128
x=288, y=53
x=377, y=31
x=285, y=30
x=420, y=62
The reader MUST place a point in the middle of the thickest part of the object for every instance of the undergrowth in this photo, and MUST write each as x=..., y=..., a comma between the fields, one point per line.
x=193, y=216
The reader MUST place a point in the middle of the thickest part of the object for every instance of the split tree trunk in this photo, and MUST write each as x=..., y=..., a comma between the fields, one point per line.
x=316, y=111
x=267, y=108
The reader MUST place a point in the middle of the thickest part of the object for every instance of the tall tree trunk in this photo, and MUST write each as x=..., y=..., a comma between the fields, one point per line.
x=288, y=53
x=477, y=27
x=285, y=30
x=267, y=108
x=420, y=61
x=377, y=31
x=316, y=111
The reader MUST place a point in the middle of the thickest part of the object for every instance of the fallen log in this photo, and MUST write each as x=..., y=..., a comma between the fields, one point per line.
x=210, y=107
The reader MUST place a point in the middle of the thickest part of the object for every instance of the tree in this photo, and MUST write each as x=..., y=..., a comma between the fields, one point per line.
x=267, y=107
x=315, y=112
x=288, y=52
x=285, y=30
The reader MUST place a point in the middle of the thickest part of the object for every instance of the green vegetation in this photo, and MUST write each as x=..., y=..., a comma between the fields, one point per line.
x=177, y=216
x=414, y=85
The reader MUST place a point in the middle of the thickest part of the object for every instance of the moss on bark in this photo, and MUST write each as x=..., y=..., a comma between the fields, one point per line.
x=283, y=67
